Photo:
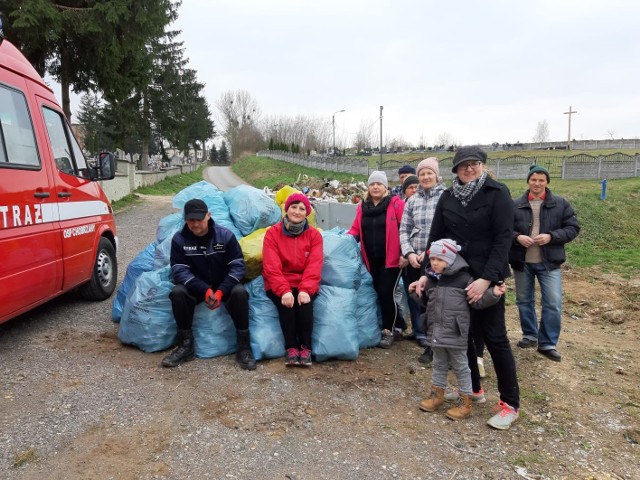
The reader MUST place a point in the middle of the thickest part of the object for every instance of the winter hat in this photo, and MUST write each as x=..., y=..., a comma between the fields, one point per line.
x=410, y=180
x=378, y=176
x=195, y=209
x=469, y=152
x=538, y=169
x=446, y=249
x=295, y=198
x=431, y=163
x=406, y=169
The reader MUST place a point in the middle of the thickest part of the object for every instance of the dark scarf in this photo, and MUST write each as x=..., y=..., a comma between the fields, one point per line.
x=371, y=210
x=464, y=192
x=293, y=229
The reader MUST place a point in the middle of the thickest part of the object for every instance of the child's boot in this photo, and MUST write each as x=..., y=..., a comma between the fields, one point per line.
x=462, y=410
x=436, y=398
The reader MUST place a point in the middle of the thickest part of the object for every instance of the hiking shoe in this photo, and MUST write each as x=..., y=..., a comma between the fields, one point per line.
x=452, y=395
x=245, y=359
x=527, y=343
x=422, y=342
x=387, y=339
x=293, y=357
x=504, y=417
x=305, y=357
x=427, y=356
x=481, y=370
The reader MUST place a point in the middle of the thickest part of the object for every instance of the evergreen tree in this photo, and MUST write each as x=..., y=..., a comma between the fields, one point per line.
x=90, y=118
x=213, y=154
x=223, y=154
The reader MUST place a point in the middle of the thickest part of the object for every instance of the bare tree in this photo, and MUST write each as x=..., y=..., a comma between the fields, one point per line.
x=239, y=117
x=611, y=133
x=542, y=132
x=364, y=135
x=445, y=139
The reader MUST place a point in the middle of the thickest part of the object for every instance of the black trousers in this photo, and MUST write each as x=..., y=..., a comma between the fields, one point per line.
x=296, y=322
x=183, y=304
x=384, y=283
x=491, y=323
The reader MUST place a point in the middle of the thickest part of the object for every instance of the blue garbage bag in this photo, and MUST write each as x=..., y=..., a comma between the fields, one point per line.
x=147, y=321
x=368, y=315
x=215, y=201
x=214, y=334
x=169, y=225
x=142, y=263
x=251, y=209
x=162, y=254
x=341, y=265
x=334, y=324
x=267, y=340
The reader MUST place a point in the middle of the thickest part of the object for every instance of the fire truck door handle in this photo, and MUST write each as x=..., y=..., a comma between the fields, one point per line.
x=41, y=194
x=64, y=194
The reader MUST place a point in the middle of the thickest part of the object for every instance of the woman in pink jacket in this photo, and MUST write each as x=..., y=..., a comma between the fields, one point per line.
x=376, y=228
x=291, y=267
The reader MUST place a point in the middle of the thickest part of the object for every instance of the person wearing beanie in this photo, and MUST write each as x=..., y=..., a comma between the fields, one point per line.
x=292, y=257
x=448, y=318
x=375, y=226
x=543, y=224
x=410, y=186
x=414, y=233
x=403, y=172
x=477, y=212
x=207, y=266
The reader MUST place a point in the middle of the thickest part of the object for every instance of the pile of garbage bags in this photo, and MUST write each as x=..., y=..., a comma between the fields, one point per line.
x=346, y=312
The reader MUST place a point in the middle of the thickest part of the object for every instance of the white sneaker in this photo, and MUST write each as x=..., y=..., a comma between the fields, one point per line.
x=504, y=418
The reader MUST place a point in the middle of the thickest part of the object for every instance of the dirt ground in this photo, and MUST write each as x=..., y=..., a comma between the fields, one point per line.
x=89, y=407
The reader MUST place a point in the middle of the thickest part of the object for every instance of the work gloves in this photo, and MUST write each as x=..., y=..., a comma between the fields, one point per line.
x=213, y=300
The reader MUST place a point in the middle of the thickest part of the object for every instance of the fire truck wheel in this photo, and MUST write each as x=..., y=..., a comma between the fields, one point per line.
x=105, y=273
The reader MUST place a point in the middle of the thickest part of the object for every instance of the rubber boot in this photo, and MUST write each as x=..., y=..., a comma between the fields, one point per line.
x=183, y=351
x=436, y=398
x=244, y=356
x=462, y=410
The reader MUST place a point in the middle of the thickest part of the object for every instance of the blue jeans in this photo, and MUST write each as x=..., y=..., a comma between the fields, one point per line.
x=551, y=291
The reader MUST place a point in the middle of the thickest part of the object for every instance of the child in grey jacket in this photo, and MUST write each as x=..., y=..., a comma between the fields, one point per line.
x=443, y=289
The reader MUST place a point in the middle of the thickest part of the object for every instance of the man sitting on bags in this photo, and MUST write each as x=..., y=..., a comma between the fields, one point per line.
x=207, y=266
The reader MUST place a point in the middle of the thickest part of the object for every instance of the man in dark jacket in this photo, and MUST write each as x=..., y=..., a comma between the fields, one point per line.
x=207, y=266
x=543, y=224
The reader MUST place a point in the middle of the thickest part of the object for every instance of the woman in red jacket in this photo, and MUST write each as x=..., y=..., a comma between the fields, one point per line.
x=291, y=267
x=376, y=228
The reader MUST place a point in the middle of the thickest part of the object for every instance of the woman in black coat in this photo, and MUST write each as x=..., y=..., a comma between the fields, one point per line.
x=477, y=212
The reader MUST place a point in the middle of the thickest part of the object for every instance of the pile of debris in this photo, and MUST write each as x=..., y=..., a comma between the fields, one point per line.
x=327, y=190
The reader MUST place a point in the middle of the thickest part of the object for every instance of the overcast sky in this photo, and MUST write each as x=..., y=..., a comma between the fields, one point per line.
x=480, y=71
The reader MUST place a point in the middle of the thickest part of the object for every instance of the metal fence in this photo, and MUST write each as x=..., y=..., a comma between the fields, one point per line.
x=581, y=166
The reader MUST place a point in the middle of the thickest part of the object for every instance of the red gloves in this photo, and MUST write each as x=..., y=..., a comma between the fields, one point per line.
x=213, y=300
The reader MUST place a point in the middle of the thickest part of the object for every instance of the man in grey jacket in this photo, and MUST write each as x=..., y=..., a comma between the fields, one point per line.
x=543, y=224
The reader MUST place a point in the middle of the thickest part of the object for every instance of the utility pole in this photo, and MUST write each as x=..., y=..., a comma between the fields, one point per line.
x=333, y=121
x=570, y=112
x=380, y=163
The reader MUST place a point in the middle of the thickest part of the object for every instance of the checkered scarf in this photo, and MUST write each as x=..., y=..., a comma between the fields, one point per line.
x=464, y=192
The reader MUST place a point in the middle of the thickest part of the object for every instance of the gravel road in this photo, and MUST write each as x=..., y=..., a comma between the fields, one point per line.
x=76, y=404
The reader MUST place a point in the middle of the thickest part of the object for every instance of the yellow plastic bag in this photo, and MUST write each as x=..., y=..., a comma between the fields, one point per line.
x=251, y=246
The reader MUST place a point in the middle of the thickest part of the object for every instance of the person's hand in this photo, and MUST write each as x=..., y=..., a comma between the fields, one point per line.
x=287, y=300
x=403, y=262
x=303, y=297
x=421, y=283
x=542, y=239
x=414, y=260
x=476, y=289
x=500, y=289
x=525, y=241
x=213, y=300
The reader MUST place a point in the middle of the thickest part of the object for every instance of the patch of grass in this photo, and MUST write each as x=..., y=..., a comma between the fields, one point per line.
x=533, y=396
x=172, y=185
x=261, y=172
x=593, y=390
x=125, y=202
x=25, y=457
x=527, y=460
